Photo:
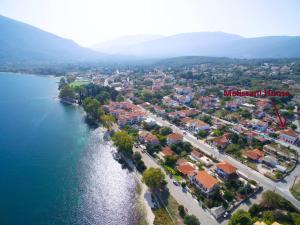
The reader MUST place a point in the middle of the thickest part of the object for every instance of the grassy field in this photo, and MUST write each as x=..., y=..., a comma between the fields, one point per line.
x=295, y=190
x=162, y=216
x=79, y=83
x=140, y=207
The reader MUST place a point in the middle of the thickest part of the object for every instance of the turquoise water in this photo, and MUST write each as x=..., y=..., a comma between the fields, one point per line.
x=54, y=169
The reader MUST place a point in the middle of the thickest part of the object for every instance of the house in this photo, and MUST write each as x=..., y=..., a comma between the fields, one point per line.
x=196, y=155
x=226, y=170
x=167, y=151
x=205, y=182
x=263, y=223
x=174, y=138
x=232, y=106
x=148, y=138
x=196, y=125
x=159, y=110
x=150, y=122
x=222, y=142
x=188, y=112
x=169, y=102
x=183, y=99
x=270, y=161
x=255, y=155
x=263, y=104
x=146, y=105
x=288, y=135
x=187, y=169
x=181, y=162
x=183, y=90
x=260, y=125
x=250, y=135
x=186, y=120
x=206, y=161
x=125, y=113
x=217, y=211
x=204, y=102
x=259, y=114
x=174, y=115
x=259, y=223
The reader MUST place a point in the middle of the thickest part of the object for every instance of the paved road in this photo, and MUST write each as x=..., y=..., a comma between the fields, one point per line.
x=182, y=198
x=279, y=187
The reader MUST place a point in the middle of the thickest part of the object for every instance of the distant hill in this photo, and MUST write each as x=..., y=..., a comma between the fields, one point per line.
x=216, y=44
x=22, y=43
x=121, y=45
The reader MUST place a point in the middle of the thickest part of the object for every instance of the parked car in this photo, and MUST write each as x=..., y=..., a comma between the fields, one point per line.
x=175, y=183
x=226, y=214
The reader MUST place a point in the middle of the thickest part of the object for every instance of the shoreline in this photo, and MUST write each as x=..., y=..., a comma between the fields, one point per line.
x=31, y=74
x=146, y=216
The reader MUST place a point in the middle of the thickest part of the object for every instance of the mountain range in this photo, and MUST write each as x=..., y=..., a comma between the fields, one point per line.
x=23, y=43
x=217, y=44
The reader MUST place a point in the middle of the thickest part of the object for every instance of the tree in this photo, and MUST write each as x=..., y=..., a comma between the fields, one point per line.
x=181, y=147
x=293, y=126
x=80, y=90
x=62, y=83
x=232, y=148
x=271, y=200
x=140, y=166
x=268, y=217
x=218, y=132
x=245, y=114
x=137, y=156
x=151, y=149
x=228, y=196
x=71, y=78
x=241, y=217
x=120, y=98
x=103, y=97
x=123, y=141
x=66, y=92
x=154, y=178
x=92, y=107
x=165, y=131
x=202, y=133
x=206, y=119
x=138, y=162
x=171, y=161
x=234, y=138
x=107, y=120
x=181, y=211
x=255, y=209
x=191, y=220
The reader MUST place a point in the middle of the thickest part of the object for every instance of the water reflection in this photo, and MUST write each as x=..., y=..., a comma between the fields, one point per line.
x=108, y=191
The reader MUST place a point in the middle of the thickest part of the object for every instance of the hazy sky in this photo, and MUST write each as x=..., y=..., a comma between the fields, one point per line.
x=92, y=21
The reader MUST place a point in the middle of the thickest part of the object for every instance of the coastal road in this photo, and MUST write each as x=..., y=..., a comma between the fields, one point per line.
x=182, y=198
x=281, y=188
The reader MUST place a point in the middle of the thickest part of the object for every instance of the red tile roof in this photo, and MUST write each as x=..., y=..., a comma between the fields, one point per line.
x=255, y=154
x=186, y=169
x=207, y=180
x=289, y=132
x=167, y=151
x=186, y=120
x=226, y=167
x=175, y=136
x=196, y=154
x=181, y=162
x=222, y=140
